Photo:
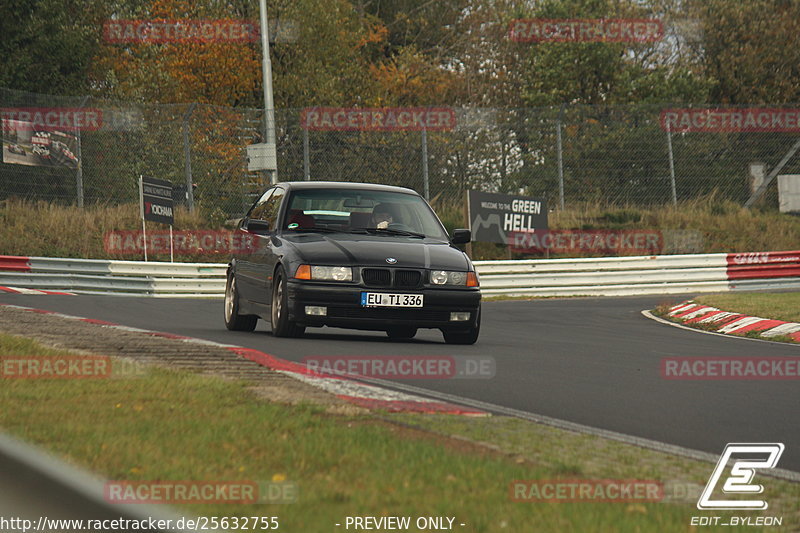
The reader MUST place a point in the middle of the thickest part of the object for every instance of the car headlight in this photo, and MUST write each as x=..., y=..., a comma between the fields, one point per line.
x=448, y=277
x=324, y=273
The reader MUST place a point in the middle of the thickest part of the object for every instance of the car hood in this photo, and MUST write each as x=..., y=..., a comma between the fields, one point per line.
x=372, y=250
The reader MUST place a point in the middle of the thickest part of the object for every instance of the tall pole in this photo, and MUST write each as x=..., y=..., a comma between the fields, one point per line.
x=79, y=154
x=187, y=158
x=671, y=167
x=306, y=156
x=560, y=158
x=141, y=214
x=266, y=72
x=425, y=179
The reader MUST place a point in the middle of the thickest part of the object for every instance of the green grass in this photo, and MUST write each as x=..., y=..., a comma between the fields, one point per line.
x=780, y=306
x=50, y=230
x=170, y=425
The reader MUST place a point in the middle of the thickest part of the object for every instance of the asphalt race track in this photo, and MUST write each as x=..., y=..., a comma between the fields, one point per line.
x=592, y=361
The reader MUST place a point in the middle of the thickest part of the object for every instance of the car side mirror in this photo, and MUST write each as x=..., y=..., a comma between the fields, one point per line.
x=461, y=236
x=257, y=226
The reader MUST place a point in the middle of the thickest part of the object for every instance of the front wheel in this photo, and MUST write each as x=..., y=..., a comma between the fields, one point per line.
x=233, y=320
x=401, y=333
x=281, y=325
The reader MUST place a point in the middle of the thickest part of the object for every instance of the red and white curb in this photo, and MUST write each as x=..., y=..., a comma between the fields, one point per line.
x=728, y=323
x=21, y=290
x=368, y=396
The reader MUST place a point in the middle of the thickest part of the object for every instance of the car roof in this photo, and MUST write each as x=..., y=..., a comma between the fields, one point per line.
x=345, y=185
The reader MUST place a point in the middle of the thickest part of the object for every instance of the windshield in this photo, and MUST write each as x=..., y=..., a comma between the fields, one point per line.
x=359, y=210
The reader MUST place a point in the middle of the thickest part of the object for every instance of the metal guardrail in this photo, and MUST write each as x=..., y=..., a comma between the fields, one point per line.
x=605, y=276
x=100, y=276
x=56, y=491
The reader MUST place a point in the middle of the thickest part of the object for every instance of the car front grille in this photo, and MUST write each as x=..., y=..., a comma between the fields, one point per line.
x=376, y=277
x=386, y=278
x=407, y=279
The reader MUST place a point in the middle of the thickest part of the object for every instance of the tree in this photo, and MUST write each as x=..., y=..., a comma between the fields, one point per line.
x=45, y=47
x=751, y=50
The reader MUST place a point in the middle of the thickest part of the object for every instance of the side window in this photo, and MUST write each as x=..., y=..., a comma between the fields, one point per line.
x=260, y=205
x=269, y=210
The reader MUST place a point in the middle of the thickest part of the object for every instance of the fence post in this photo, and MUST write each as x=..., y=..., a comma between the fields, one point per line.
x=187, y=158
x=306, y=155
x=560, y=157
x=425, y=182
x=79, y=154
x=771, y=176
x=671, y=167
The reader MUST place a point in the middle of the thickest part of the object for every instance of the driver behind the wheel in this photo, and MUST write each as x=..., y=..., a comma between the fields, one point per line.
x=383, y=215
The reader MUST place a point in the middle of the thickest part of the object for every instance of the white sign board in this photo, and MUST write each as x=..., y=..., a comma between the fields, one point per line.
x=789, y=193
x=262, y=156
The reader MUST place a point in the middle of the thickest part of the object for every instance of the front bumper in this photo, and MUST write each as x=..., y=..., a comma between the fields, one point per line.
x=344, y=307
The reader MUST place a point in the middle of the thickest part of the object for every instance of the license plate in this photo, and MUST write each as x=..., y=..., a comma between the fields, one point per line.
x=382, y=299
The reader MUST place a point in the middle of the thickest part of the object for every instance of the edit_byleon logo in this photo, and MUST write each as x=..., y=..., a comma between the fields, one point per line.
x=745, y=459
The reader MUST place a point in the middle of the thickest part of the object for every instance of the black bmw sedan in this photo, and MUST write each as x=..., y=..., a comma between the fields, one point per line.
x=351, y=255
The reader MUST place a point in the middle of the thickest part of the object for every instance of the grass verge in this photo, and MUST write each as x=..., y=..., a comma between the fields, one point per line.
x=775, y=305
x=167, y=425
x=51, y=230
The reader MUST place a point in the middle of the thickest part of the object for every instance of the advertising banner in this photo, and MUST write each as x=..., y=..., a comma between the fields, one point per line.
x=498, y=217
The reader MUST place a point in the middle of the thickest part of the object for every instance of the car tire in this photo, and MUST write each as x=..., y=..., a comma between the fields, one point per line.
x=281, y=325
x=463, y=336
x=401, y=333
x=233, y=320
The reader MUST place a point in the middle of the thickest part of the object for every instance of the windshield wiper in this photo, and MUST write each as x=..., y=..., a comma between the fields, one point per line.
x=393, y=231
x=318, y=230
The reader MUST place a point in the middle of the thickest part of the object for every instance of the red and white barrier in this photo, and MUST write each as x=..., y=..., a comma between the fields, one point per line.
x=762, y=265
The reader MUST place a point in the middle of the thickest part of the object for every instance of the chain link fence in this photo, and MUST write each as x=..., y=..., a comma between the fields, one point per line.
x=607, y=155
